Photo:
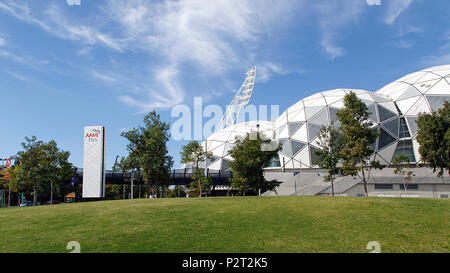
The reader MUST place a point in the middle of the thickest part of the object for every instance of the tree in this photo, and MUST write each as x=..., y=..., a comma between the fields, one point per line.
x=404, y=169
x=192, y=154
x=8, y=180
x=148, y=151
x=43, y=165
x=249, y=161
x=200, y=182
x=434, y=138
x=124, y=167
x=329, y=153
x=358, y=134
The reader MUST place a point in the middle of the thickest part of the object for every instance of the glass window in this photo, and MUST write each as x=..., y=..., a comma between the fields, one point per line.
x=405, y=147
x=403, y=130
x=383, y=186
x=275, y=162
x=409, y=187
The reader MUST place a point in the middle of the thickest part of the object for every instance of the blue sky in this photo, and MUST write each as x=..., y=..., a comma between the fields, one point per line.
x=65, y=64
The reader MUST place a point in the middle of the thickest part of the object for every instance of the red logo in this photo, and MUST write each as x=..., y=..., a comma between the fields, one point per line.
x=89, y=135
x=8, y=163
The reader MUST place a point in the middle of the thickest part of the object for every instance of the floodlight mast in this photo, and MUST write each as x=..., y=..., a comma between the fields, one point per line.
x=239, y=101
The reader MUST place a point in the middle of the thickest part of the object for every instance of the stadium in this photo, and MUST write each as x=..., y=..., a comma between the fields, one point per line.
x=393, y=109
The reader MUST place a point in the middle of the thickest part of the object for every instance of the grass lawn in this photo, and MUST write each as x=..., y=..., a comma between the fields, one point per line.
x=232, y=224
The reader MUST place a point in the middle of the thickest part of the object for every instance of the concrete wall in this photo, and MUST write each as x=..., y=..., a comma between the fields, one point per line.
x=424, y=190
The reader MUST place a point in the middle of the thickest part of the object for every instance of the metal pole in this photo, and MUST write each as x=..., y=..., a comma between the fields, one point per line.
x=206, y=156
x=295, y=185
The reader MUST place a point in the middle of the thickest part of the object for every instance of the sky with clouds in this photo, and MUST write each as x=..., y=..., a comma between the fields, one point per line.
x=65, y=64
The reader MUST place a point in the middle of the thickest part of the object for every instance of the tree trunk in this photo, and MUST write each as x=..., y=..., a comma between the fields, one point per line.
x=363, y=176
x=34, y=195
x=332, y=185
x=51, y=193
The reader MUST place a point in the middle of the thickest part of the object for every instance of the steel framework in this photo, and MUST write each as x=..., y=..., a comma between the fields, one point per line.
x=239, y=101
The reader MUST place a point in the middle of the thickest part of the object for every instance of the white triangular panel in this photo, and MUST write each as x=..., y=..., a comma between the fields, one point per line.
x=319, y=102
x=413, y=77
x=381, y=160
x=216, y=165
x=386, y=90
x=212, y=144
x=301, y=134
x=442, y=87
x=333, y=99
x=443, y=72
x=425, y=86
x=378, y=98
x=405, y=105
x=388, y=152
x=419, y=107
x=284, y=133
x=219, y=150
x=339, y=104
x=300, y=116
x=303, y=156
x=415, y=145
x=410, y=92
x=366, y=97
x=310, y=102
x=429, y=77
x=389, y=105
x=296, y=164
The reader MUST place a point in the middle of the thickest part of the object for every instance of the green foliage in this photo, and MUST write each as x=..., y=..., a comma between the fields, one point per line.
x=200, y=182
x=44, y=169
x=357, y=134
x=249, y=160
x=177, y=191
x=192, y=154
x=329, y=153
x=148, y=151
x=403, y=168
x=434, y=139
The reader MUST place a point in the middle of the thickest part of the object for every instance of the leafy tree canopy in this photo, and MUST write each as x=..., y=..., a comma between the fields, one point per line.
x=249, y=160
x=358, y=134
x=148, y=150
x=434, y=138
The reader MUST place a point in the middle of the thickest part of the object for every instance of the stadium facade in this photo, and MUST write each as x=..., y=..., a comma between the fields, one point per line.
x=394, y=110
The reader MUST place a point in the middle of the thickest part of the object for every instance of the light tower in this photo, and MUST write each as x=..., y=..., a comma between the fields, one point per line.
x=239, y=101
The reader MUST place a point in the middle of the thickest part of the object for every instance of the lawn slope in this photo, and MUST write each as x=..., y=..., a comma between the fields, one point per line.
x=234, y=224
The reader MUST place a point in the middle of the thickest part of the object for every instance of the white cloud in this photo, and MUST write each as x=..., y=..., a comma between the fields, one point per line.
x=168, y=94
x=332, y=17
x=53, y=21
x=2, y=41
x=102, y=76
x=12, y=56
x=266, y=70
x=73, y=2
x=373, y=2
x=438, y=59
x=394, y=9
x=17, y=75
x=211, y=34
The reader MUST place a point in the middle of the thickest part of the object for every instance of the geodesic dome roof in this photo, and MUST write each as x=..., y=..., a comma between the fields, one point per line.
x=221, y=142
x=298, y=127
x=422, y=91
x=415, y=93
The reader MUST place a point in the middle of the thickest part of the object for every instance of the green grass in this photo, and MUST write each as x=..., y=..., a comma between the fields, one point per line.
x=233, y=224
